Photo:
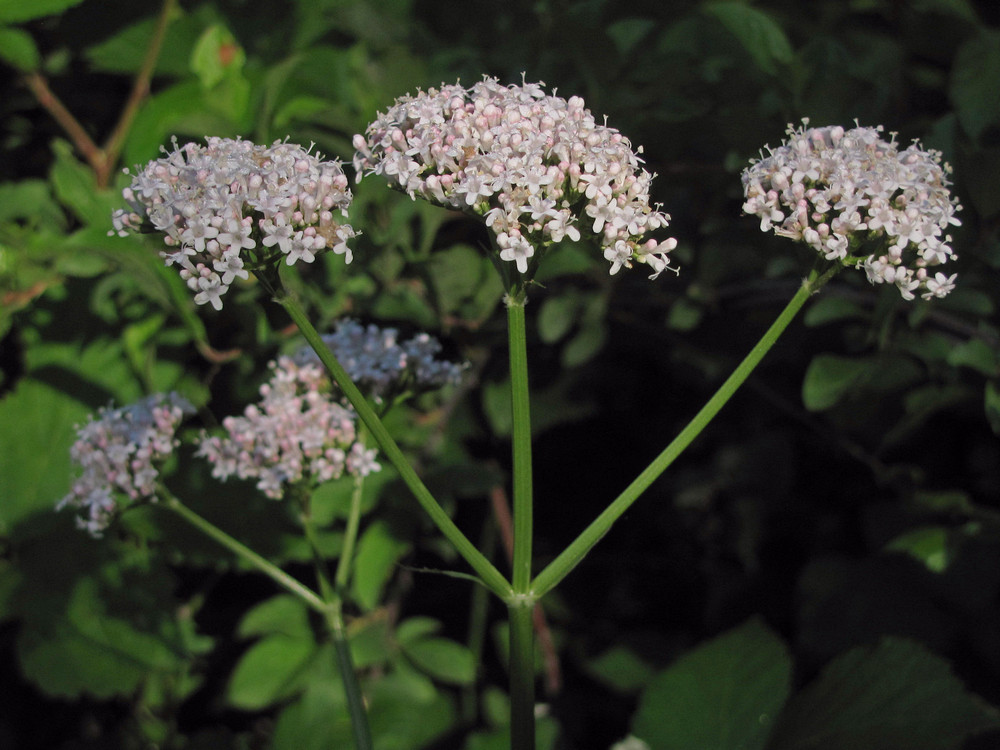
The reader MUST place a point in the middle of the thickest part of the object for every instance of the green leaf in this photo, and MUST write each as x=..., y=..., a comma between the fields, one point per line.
x=442, y=659
x=557, y=316
x=75, y=186
x=991, y=403
x=757, y=32
x=974, y=72
x=829, y=378
x=928, y=544
x=90, y=652
x=407, y=712
x=18, y=48
x=977, y=355
x=724, y=695
x=125, y=51
x=216, y=55
x=283, y=614
x=35, y=467
x=628, y=32
x=832, y=309
x=272, y=670
x=414, y=628
x=893, y=696
x=377, y=555
x=621, y=669
x=19, y=11
x=318, y=719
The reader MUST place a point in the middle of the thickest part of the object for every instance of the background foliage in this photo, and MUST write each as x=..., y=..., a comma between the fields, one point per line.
x=820, y=570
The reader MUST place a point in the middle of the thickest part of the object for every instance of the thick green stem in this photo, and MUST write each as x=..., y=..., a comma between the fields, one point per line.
x=490, y=576
x=522, y=631
x=522, y=674
x=521, y=577
x=355, y=702
x=577, y=550
x=275, y=573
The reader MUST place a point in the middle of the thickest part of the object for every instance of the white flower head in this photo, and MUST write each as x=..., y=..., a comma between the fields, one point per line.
x=231, y=207
x=119, y=452
x=859, y=200
x=298, y=433
x=538, y=167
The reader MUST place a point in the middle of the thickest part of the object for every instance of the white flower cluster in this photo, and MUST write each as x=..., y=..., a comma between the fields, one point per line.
x=380, y=364
x=231, y=201
x=118, y=452
x=532, y=165
x=857, y=199
x=298, y=432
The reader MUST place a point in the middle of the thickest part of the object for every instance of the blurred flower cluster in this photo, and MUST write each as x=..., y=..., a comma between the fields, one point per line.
x=537, y=168
x=859, y=200
x=119, y=452
x=231, y=201
x=381, y=365
x=298, y=432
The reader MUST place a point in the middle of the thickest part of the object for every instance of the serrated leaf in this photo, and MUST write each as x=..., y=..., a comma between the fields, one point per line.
x=18, y=11
x=724, y=695
x=442, y=659
x=893, y=696
x=759, y=34
x=17, y=47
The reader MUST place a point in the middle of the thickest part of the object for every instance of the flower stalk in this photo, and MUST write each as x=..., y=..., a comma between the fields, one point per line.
x=578, y=549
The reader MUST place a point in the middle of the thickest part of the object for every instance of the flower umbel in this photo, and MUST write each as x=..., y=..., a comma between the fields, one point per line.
x=233, y=207
x=381, y=364
x=298, y=432
x=537, y=168
x=858, y=200
x=119, y=452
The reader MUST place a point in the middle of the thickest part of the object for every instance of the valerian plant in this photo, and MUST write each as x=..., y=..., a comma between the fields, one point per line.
x=536, y=170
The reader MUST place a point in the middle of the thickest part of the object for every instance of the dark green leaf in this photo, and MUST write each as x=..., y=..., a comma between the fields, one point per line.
x=35, y=467
x=764, y=39
x=894, y=696
x=280, y=615
x=724, y=695
x=974, y=72
x=377, y=555
x=829, y=378
x=442, y=659
x=18, y=11
x=18, y=48
x=272, y=670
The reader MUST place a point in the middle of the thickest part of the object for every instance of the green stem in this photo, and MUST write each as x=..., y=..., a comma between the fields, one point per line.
x=334, y=617
x=521, y=578
x=490, y=576
x=522, y=674
x=350, y=536
x=275, y=573
x=577, y=550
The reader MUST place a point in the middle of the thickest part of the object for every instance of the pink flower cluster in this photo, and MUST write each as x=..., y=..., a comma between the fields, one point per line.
x=297, y=433
x=382, y=365
x=119, y=452
x=859, y=200
x=232, y=201
x=538, y=168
